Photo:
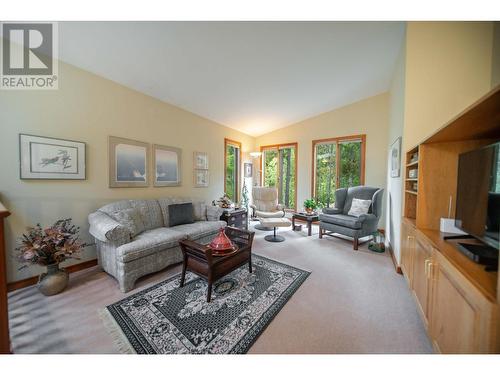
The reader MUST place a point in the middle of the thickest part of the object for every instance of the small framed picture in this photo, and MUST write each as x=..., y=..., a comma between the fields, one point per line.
x=167, y=165
x=44, y=158
x=396, y=158
x=200, y=160
x=128, y=162
x=248, y=169
x=201, y=178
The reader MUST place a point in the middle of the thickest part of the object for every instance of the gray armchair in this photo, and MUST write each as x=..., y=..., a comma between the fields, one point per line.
x=336, y=219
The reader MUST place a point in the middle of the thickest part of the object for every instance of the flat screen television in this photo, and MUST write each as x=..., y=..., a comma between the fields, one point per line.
x=478, y=194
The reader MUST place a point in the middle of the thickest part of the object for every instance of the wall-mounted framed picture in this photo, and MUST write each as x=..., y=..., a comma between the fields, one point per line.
x=128, y=162
x=200, y=160
x=396, y=158
x=45, y=158
x=167, y=165
x=201, y=177
x=248, y=169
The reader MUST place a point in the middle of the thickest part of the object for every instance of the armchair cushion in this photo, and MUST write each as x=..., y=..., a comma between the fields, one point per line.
x=343, y=220
x=359, y=207
x=359, y=192
x=268, y=215
x=332, y=210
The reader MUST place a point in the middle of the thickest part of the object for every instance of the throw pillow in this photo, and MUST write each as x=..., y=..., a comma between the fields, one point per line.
x=213, y=213
x=359, y=207
x=180, y=214
x=200, y=211
x=131, y=219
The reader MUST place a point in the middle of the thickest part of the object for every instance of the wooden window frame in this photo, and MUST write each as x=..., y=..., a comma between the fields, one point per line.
x=277, y=146
x=237, y=144
x=337, y=140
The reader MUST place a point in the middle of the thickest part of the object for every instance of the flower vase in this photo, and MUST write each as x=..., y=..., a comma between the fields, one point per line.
x=54, y=281
x=309, y=211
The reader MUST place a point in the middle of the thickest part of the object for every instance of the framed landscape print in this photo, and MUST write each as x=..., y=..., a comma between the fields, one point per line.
x=167, y=165
x=247, y=168
x=201, y=178
x=44, y=158
x=396, y=157
x=128, y=162
x=200, y=160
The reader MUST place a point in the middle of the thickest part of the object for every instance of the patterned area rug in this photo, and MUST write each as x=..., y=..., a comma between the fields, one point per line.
x=167, y=319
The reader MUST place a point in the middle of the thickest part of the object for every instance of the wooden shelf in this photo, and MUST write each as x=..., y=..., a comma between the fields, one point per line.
x=412, y=163
x=412, y=179
x=411, y=192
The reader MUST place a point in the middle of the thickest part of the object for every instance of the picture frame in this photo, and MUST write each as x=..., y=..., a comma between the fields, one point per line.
x=128, y=162
x=167, y=165
x=396, y=158
x=200, y=160
x=248, y=169
x=201, y=178
x=47, y=158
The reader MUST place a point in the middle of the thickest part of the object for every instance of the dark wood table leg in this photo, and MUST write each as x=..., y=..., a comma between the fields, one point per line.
x=250, y=265
x=183, y=275
x=293, y=223
x=309, y=227
x=209, y=290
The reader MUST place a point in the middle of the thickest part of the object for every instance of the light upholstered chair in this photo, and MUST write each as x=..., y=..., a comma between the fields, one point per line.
x=265, y=205
x=340, y=220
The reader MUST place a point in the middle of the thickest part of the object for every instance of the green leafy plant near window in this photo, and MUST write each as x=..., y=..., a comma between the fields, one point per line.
x=312, y=204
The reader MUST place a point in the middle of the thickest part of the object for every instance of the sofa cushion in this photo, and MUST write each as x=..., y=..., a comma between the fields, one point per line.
x=199, y=211
x=165, y=202
x=149, y=209
x=199, y=229
x=214, y=213
x=181, y=213
x=343, y=220
x=149, y=242
x=131, y=219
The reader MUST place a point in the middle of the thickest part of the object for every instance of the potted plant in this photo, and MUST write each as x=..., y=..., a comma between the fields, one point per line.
x=49, y=247
x=310, y=205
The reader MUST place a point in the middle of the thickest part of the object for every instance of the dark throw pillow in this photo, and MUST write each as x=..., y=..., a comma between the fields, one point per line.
x=180, y=214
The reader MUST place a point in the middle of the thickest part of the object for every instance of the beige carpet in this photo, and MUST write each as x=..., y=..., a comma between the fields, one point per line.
x=353, y=302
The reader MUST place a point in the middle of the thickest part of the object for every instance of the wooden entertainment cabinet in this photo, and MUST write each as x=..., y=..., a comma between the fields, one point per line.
x=457, y=299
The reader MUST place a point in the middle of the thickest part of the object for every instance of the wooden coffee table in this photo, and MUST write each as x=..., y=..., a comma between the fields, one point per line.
x=199, y=259
x=304, y=217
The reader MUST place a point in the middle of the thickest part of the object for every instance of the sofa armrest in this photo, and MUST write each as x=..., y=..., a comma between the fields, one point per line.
x=214, y=213
x=332, y=211
x=106, y=229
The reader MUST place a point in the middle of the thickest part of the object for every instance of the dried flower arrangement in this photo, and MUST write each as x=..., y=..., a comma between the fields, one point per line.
x=52, y=245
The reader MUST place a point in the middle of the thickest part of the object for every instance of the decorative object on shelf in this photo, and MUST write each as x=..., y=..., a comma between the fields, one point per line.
x=377, y=244
x=201, y=178
x=414, y=158
x=310, y=205
x=167, y=164
x=248, y=169
x=128, y=162
x=396, y=158
x=221, y=244
x=49, y=247
x=413, y=173
x=44, y=158
x=223, y=202
x=200, y=160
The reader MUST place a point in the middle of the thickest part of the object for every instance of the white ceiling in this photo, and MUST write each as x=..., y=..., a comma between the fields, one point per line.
x=252, y=76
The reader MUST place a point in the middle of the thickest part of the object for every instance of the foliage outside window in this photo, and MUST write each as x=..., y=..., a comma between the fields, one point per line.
x=338, y=163
x=279, y=165
x=232, y=168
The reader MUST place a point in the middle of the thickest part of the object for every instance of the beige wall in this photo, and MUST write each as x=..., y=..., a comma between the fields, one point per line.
x=368, y=116
x=448, y=67
x=396, y=126
x=88, y=108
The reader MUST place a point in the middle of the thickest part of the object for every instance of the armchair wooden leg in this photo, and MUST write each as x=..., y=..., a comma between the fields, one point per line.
x=320, y=232
x=356, y=243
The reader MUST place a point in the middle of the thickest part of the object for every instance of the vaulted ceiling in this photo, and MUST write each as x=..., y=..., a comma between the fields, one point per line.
x=252, y=76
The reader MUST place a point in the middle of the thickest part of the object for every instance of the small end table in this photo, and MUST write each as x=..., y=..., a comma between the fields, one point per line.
x=309, y=219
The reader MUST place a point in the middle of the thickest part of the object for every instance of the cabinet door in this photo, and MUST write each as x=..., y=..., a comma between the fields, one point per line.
x=421, y=281
x=462, y=320
x=407, y=250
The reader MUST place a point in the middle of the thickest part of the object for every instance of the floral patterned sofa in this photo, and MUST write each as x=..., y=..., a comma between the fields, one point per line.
x=134, y=237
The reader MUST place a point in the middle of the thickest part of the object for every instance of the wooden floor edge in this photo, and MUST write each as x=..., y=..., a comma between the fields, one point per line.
x=396, y=267
x=15, y=285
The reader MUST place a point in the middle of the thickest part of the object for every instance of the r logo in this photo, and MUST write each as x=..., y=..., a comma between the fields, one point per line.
x=28, y=49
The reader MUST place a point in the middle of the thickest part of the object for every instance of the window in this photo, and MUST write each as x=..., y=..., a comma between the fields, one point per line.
x=337, y=163
x=232, y=151
x=279, y=164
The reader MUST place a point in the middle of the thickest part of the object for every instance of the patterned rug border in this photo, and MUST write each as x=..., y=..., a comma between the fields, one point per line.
x=125, y=347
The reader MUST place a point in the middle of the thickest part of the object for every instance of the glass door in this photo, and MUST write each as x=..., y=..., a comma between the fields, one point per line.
x=279, y=166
